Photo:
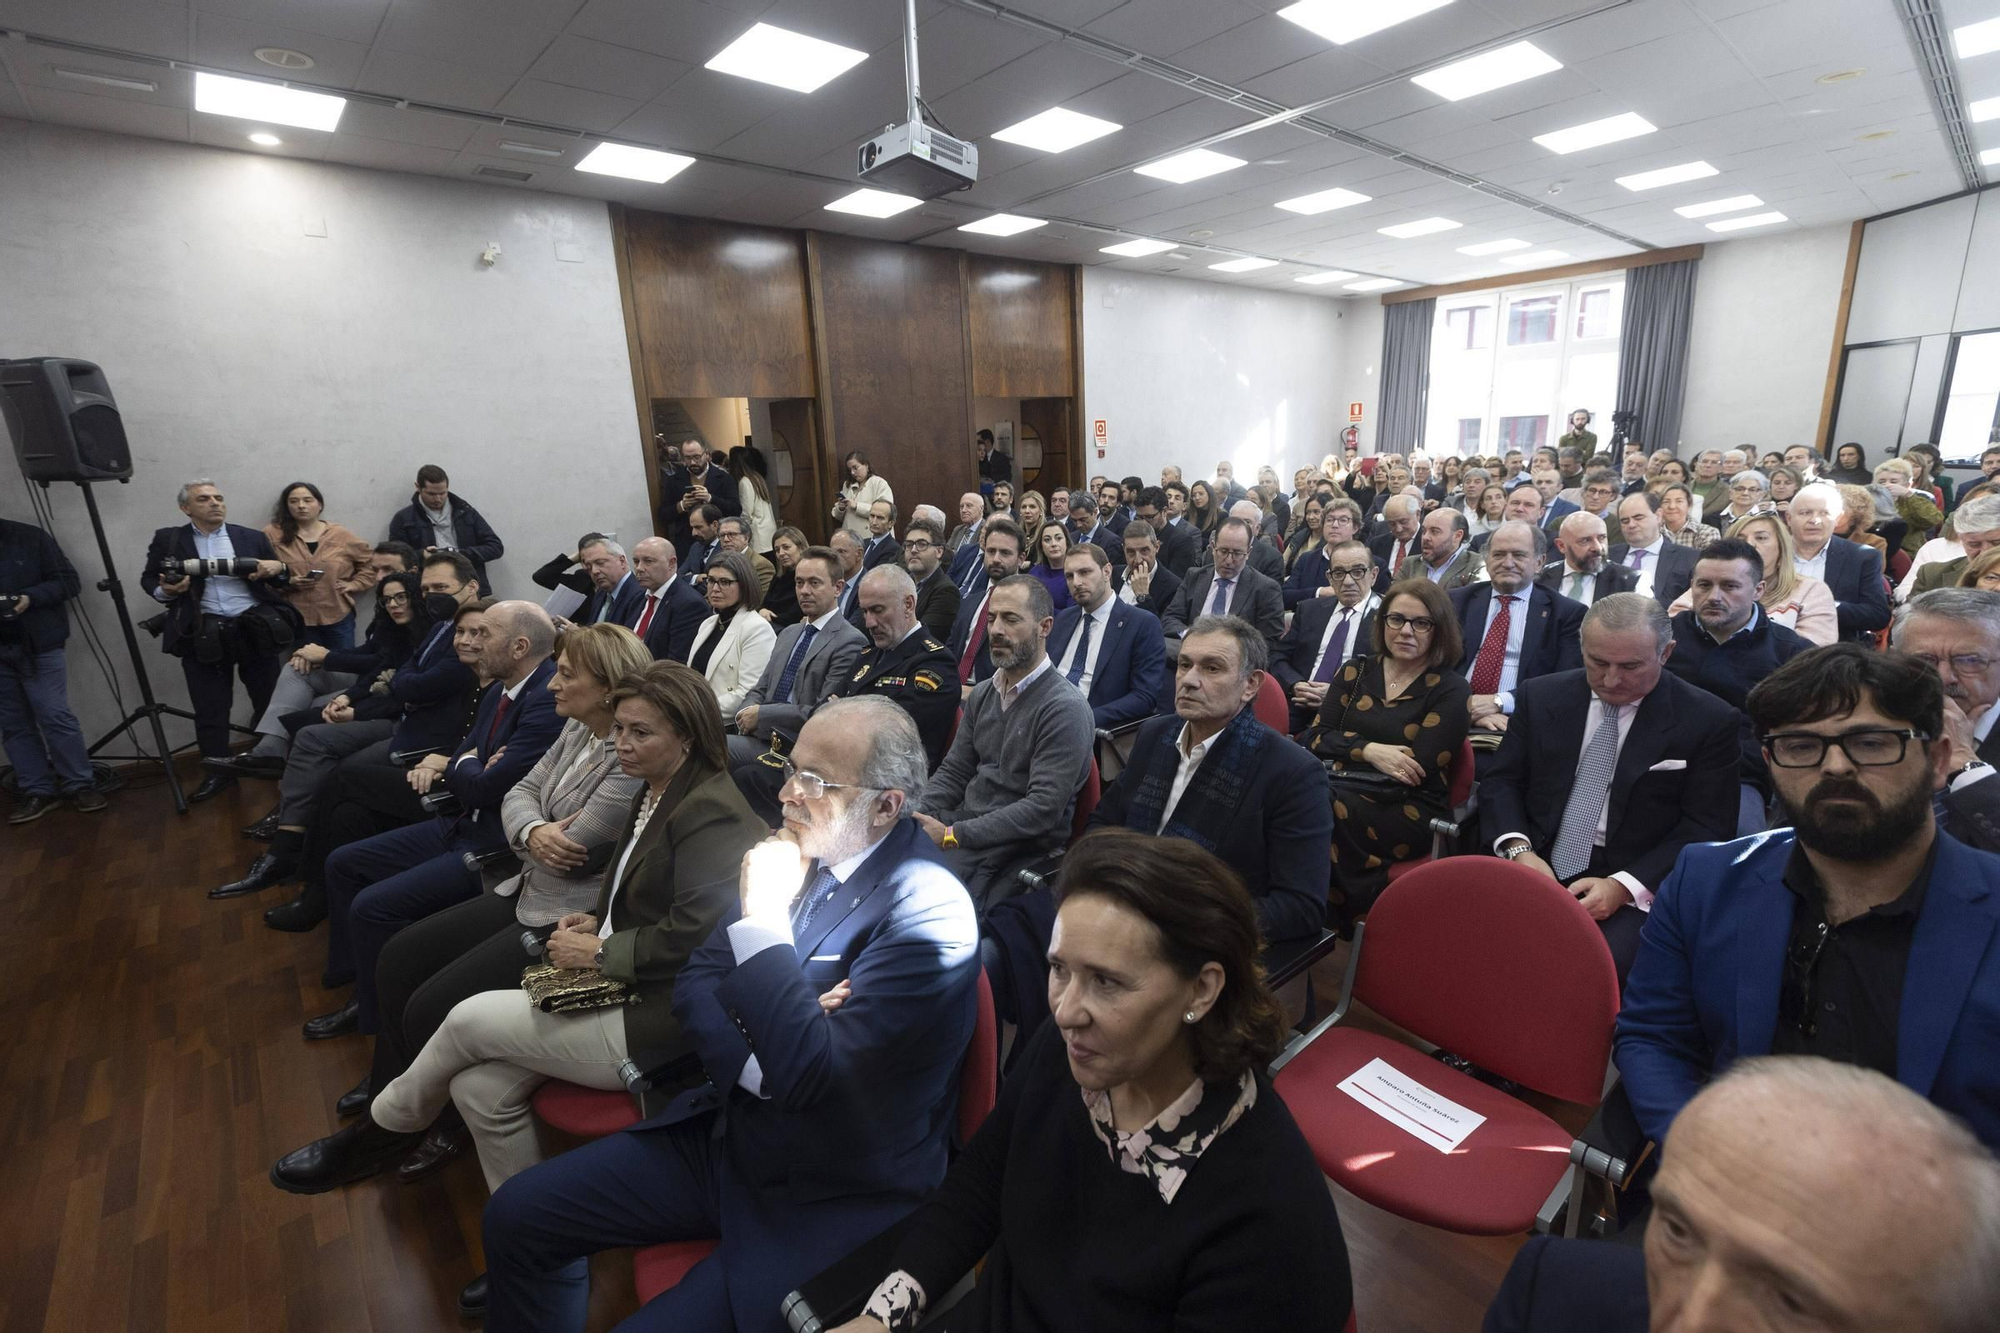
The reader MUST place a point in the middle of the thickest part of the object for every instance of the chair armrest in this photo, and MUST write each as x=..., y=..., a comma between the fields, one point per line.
x=836, y=1294
x=1287, y=960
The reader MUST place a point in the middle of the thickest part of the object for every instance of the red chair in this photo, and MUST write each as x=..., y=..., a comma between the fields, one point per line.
x=1087, y=797
x=1460, y=796
x=659, y=1267
x=1501, y=967
x=1271, y=708
x=584, y=1113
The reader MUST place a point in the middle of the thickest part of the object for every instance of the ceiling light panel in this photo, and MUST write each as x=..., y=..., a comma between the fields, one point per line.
x=1977, y=39
x=1342, y=21
x=1733, y=204
x=1056, y=130
x=1404, y=231
x=1318, y=279
x=1482, y=74
x=1652, y=180
x=785, y=58
x=873, y=204
x=1323, y=202
x=264, y=140
x=1138, y=249
x=1374, y=285
x=1192, y=165
x=1249, y=264
x=1596, y=133
x=108, y=80
x=1990, y=158
x=247, y=99
x=639, y=164
x=1754, y=220
x=1003, y=224
x=1492, y=247
x=1986, y=108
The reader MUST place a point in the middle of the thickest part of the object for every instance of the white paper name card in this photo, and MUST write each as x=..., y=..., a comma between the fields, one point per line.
x=1410, y=1106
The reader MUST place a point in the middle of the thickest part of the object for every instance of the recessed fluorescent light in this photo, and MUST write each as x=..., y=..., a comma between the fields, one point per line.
x=639, y=164
x=1323, y=202
x=1056, y=130
x=1374, y=284
x=246, y=99
x=1137, y=249
x=1595, y=133
x=1730, y=205
x=1243, y=265
x=1754, y=220
x=528, y=149
x=108, y=80
x=1989, y=158
x=1977, y=39
x=873, y=204
x=1986, y=108
x=1403, y=231
x=1004, y=224
x=1492, y=247
x=1315, y=279
x=1537, y=257
x=1482, y=74
x=266, y=140
x=1686, y=171
x=1341, y=21
x=788, y=59
x=1192, y=165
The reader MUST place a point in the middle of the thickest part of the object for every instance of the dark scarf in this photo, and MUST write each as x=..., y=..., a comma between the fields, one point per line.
x=1208, y=807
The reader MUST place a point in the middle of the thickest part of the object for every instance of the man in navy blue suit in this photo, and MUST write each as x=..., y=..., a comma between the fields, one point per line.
x=1850, y=571
x=1515, y=629
x=1793, y=1193
x=670, y=610
x=1861, y=933
x=1119, y=659
x=1326, y=632
x=619, y=597
x=1001, y=548
x=830, y=1021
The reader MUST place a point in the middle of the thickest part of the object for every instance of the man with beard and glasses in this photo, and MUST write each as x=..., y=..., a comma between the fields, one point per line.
x=1861, y=934
x=1583, y=575
x=1956, y=633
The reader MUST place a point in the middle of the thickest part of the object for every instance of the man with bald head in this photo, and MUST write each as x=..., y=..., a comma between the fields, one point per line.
x=377, y=886
x=1584, y=574
x=1794, y=1193
x=1400, y=539
x=672, y=610
x=903, y=661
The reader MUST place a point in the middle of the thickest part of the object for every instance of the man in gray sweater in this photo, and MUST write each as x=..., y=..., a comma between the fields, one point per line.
x=1007, y=787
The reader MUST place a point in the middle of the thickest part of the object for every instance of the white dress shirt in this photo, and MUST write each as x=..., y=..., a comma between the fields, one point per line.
x=1010, y=693
x=1586, y=594
x=1191, y=757
x=1102, y=617
x=1642, y=897
x=1354, y=618
x=1814, y=568
x=221, y=594
x=1517, y=629
x=1647, y=568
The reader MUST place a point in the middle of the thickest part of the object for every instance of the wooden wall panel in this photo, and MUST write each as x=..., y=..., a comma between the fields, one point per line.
x=721, y=308
x=1018, y=317
x=889, y=329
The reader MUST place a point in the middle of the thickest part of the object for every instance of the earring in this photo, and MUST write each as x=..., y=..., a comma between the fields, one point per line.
x=607, y=701
x=1188, y=1017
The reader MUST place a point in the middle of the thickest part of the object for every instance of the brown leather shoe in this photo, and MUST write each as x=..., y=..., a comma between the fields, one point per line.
x=442, y=1143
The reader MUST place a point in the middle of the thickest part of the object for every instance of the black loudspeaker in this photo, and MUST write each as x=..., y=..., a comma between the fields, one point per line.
x=64, y=421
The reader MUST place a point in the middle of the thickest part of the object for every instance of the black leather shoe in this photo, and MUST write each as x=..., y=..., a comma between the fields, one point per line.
x=472, y=1299
x=354, y=1152
x=300, y=914
x=87, y=800
x=247, y=765
x=339, y=1023
x=441, y=1144
x=265, y=871
x=262, y=830
x=212, y=785
x=355, y=1100
x=30, y=808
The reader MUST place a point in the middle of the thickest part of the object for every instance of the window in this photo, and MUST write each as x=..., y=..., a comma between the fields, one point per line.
x=1468, y=435
x=1972, y=403
x=1532, y=320
x=1471, y=326
x=1523, y=433
x=1596, y=313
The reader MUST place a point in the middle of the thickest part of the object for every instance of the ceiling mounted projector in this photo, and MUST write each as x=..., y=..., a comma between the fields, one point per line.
x=917, y=158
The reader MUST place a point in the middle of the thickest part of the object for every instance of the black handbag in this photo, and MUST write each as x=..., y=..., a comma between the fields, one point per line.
x=1365, y=780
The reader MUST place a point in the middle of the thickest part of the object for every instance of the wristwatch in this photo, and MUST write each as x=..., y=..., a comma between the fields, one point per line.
x=950, y=838
x=1518, y=850
x=1971, y=766
x=597, y=958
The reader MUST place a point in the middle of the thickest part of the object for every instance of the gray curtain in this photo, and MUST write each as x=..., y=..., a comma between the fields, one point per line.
x=1406, y=375
x=1653, y=350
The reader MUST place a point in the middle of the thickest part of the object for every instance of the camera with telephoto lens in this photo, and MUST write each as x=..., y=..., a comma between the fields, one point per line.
x=173, y=570
x=8, y=600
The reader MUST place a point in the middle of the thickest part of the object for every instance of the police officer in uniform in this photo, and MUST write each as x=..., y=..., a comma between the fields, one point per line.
x=902, y=662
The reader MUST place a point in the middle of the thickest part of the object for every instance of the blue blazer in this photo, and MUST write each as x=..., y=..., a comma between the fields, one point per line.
x=961, y=632
x=1550, y=643
x=1854, y=577
x=1703, y=992
x=861, y=1103
x=1280, y=832
x=526, y=732
x=1131, y=678
x=671, y=635
x=627, y=600
x=433, y=688
x=1572, y=1286
x=968, y=571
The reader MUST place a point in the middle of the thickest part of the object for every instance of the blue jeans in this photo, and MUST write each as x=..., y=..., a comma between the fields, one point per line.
x=340, y=634
x=39, y=728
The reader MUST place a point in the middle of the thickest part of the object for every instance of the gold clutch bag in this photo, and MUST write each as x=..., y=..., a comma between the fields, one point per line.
x=564, y=990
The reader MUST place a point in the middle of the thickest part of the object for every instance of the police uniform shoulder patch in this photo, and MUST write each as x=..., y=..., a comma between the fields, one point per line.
x=933, y=646
x=927, y=680
x=862, y=670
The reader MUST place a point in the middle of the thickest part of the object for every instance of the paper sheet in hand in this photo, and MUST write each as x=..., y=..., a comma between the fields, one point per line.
x=1409, y=1105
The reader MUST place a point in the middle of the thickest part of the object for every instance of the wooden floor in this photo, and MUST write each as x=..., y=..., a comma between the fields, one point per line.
x=154, y=1071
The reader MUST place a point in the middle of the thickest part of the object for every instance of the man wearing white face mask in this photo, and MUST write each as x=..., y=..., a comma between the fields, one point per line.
x=1851, y=572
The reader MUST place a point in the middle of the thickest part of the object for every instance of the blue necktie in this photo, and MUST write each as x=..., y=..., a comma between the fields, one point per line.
x=792, y=665
x=1082, y=651
x=818, y=892
x=1218, y=605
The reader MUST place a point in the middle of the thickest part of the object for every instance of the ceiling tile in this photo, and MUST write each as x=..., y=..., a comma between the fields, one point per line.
x=421, y=79
x=571, y=108
x=1166, y=27
x=109, y=113
x=503, y=35
x=405, y=125
x=125, y=25
x=343, y=20
x=578, y=62
x=685, y=30
x=231, y=43
x=359, y=151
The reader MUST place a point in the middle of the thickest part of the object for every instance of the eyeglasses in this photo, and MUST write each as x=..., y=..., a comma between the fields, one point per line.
x=396, y=599
x=1420, y=624
x=812, y=786
x=1962, y=664
x=918, y=544
x=1346, y=573
x=1872, y=748
x=719, y=581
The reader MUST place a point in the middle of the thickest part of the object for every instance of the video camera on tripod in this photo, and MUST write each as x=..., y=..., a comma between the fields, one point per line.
x=1622, y=422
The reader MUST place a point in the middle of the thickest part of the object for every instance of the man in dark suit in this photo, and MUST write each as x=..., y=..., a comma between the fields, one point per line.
x=618, y=596
x=1664, y=568
x=1514, y=630
x=1583, y=574
x=881, y=548
x=1326, y=631
x=1859, y=933
x=1956, y=633
x=1144, y=580
x=1111, y=509
x=808, y=660
x=903, y=663
x=1524, y=505
x=851, y=552
x=1001, y=548
x=1556, y=506
x=1400, y=538
x=1176, y=540
x=1605, y=774
x=670, y=608
x=703, y=544
x=817, y=1123
x=1114, y=653
x=685, y=489
x=937, y=596
x=1086, y=526
x=219, y=624
x=1257, y=800
x=1266, y=556
x=1245, y=593
x=1850, y=571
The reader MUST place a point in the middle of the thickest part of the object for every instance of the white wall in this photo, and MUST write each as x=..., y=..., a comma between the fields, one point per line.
x=242, y=346
x=1764, y=310
x=1191, y=372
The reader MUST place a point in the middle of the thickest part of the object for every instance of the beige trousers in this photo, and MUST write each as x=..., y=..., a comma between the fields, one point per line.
x=490, y=1055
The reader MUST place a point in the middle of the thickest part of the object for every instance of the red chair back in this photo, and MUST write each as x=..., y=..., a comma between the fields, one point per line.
x=1087, y=797
x=1461, y=776
x=979, y=1079
x=1498, y=964
x=1271, y=708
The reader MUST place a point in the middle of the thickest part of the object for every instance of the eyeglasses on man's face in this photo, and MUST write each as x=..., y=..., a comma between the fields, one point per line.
x=1868, y=748
x=1962, y=664
x=1346, y=573
x=812, y=786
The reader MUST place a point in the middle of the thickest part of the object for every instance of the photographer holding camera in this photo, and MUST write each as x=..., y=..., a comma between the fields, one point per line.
x=44, y=742
x=690, y=482
x=224, y=590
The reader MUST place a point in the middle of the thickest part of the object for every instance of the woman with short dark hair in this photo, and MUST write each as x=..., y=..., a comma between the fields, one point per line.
x=1139, y=1172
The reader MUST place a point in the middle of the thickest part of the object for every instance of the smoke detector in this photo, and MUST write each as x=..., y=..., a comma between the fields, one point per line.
x=284, y=57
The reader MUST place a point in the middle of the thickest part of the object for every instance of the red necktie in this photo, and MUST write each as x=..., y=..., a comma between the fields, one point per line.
x=646, y=617
x=974, y=637
x=1402, y=549
x=498, y=714
x=1493, y=650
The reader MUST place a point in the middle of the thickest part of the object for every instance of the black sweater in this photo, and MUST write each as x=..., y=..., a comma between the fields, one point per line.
x=1251, y=1240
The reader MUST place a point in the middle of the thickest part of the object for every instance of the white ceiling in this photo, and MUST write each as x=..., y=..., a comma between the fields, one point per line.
x=1735, y=82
